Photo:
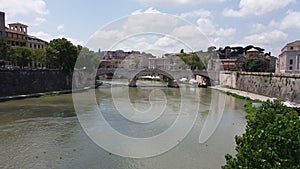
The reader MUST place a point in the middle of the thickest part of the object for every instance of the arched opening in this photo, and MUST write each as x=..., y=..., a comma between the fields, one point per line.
x=154, y=72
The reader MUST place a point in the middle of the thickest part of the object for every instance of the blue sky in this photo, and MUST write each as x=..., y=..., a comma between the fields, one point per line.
x=266, y=23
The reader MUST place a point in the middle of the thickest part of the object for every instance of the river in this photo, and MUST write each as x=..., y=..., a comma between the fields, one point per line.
x=45, y=132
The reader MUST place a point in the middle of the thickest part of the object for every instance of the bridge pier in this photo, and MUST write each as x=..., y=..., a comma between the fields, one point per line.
x=132, y=83
x=173, y=83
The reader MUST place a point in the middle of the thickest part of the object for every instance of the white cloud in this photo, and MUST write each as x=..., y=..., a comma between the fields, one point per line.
x=206, y=26
x=292, y=20
x=151, y=29
x=149, y=10
x=225, y=32
x=23, y=7
x=196, y=14
x=266, y=38
x=251, y=7
x=60, y=28
x=48, y=37
x=38, y=21
x=269, y=40
x=216, y=34
x=177, y=2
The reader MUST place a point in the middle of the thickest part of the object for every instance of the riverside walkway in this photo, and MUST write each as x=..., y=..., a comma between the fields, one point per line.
x=252, y=96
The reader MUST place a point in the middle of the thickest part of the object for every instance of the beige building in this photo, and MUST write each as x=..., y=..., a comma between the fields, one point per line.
x=289, y=59
x=16, y=35
x=252, y=53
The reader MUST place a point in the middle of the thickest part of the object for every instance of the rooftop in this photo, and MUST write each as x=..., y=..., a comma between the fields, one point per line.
x=252, y=50
x=295, y=43
x=17, y=24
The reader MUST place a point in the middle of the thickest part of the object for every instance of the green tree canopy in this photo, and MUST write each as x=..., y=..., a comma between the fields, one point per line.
x=4, y=50
x=63, y=52
x=87, y=59
x=271, y=140
x=20, y=56
x=192, y=61
x=253, y=64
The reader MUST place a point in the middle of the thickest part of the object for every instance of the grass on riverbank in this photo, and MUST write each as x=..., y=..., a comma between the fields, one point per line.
x=235, y=95
x=50, y=95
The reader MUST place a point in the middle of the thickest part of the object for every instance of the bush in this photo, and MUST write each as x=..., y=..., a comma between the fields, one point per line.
x=271, y=140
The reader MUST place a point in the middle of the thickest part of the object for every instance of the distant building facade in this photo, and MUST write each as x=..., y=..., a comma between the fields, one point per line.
x=16, y=35
x=233, y=58
x=289, y=59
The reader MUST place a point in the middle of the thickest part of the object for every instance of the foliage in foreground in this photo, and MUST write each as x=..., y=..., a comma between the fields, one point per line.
x=271, y=140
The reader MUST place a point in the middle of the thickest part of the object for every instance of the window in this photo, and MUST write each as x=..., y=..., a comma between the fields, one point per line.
x=298, y=64
x=292, y=48
x=291, y=67
x=291, y=61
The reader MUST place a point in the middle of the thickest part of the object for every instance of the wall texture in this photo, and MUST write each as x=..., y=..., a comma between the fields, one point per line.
x=33, y=81
x=285, y=86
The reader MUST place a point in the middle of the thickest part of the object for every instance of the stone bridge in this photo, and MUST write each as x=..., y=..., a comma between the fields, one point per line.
x=172, y=75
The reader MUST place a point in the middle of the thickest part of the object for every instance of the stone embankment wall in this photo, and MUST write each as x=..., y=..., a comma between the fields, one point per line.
x=22, y=82
x=284, y=86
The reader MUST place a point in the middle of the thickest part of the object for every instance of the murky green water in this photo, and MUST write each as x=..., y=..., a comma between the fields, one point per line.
x=45, y=132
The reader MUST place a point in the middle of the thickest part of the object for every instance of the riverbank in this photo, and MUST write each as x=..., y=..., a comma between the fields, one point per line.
x=16, y=97
x=254, y=96
x=250, y=95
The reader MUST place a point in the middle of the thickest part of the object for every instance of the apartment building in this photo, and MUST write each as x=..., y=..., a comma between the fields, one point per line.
x=289, y=59
x=16, y=35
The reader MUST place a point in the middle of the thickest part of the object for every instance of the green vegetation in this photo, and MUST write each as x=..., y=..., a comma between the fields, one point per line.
x=236, y=95
x=50, y=95
x=254, y=64
x=59, y=54
x=271, y=140
x=192, y=61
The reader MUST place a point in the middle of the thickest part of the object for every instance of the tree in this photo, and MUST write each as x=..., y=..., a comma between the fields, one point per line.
x=64, y=52
x=192, y=61
x=39, y=57
x=52, y=60
x=87, y=59
x=20, y=56
x=271, y=140
x=211, y=49
x=254, y=64
x=4, y=50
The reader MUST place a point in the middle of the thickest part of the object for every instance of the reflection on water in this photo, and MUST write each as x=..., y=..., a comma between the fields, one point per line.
x=45, y=132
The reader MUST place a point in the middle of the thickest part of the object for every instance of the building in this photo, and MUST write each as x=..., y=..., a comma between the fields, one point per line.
x=2, y=24
x=289, y=59
x=252, y=53
x=16, y=35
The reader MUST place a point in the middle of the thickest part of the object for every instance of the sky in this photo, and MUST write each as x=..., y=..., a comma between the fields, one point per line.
x=269, y=24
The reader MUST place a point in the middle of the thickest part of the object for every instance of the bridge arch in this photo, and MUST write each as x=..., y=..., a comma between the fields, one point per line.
x=153, y=72
x=206, y=80
x=209, y=77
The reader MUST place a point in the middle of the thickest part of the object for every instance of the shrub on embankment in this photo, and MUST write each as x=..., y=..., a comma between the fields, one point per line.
x=271, y=140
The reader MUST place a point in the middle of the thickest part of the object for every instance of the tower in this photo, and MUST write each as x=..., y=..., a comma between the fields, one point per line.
x=2, y=24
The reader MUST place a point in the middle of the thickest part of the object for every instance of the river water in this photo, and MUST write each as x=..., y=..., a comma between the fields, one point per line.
x=45, y=132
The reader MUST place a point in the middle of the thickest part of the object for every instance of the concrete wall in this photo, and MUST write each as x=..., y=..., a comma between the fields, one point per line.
x=33, y=81
x=285, y=86
x=228, y=79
